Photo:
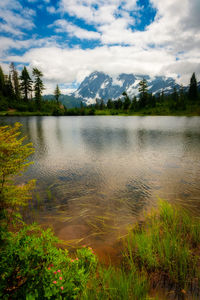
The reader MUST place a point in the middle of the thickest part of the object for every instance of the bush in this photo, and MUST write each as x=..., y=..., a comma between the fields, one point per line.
x=32, y=267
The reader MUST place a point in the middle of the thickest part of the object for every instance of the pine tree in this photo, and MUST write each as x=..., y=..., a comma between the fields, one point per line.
x=15, y=81
x=38, y=87
x=26, y=83
x=57, y=93
x=110, y=104
x=2, y=81
x=134, y=104
x=102, y=104
x=8, y=89
x=127, y=101
x=143, y=92
x=193, y=90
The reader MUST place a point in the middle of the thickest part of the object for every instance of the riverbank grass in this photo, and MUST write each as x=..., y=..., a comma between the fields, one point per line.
x=167, y=247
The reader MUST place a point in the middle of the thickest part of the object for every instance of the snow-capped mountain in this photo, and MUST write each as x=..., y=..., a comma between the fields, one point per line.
x=99, y=85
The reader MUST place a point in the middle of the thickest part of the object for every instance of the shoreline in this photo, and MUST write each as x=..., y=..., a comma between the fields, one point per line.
x=144, y=114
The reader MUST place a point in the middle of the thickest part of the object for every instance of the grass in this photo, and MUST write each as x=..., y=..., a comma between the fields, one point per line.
x=167, y=247
x=24, y=113
x=190, y=110
x=112, y=283
x=160, y=254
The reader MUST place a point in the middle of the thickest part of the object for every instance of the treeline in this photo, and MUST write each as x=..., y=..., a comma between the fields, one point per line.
x=183, y=101
x=24, y=92
x=178, y=100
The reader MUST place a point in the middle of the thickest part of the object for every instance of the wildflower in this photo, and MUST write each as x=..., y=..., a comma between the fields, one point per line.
x=58, y=271
x=55, y=272
x=84, y=246
x=60, y=278
x=72, y=260
x=61, y=287
x=49, y=268
x=77, y=258
x=54, y=281
x=89, y=248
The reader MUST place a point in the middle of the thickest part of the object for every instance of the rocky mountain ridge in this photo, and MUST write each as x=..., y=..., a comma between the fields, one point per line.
x=99, y=85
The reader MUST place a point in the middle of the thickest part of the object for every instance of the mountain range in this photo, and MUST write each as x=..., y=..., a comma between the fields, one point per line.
x=99, y=85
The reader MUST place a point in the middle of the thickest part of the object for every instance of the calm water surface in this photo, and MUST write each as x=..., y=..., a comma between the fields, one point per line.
x=96, y=175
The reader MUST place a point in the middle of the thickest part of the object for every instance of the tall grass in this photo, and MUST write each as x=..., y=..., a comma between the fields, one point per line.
x=112, y=283
x=162, y=252
x=167, y=247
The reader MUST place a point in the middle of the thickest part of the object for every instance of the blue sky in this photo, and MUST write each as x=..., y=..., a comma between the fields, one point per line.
x=69, y=39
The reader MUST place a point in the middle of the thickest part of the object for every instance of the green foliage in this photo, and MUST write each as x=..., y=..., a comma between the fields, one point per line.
x=15, y=81
x=26, y=83
x=57, y=93
x=32, y=267
x=180, y=102
x=166, y=244
x=126, y=102
x=14, y=155
x=111, y=283
x=38, y=87
x=193, y=91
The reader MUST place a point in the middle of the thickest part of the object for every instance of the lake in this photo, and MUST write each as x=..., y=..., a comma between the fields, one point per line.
x=96, y=175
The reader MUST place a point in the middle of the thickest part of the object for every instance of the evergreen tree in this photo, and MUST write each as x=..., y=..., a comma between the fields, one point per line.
x=57, y=94
x=109, y=104
x=182, y=98
x=26, y=83
x=134, y=104
x=127, y=101
x=38, y=87
x=193, y=90
x=2, y=81
x=102, y=105
x=3, y=100
x=152, y=99
x=143, y=92
x=118, y=104
x=97, y=104
x=15, y=81
x=8, y=89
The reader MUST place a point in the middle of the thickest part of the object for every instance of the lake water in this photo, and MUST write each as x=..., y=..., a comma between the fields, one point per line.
x=96, y=175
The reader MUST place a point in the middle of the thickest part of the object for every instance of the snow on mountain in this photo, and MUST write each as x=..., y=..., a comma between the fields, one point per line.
x=100, y=85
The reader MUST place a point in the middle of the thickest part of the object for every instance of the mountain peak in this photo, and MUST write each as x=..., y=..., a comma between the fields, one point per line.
x=100, y=85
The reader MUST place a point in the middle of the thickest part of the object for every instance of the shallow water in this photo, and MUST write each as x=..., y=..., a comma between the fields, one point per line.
x=96, y=175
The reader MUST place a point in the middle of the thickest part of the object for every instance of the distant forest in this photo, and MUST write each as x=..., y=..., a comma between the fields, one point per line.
x=22, y=94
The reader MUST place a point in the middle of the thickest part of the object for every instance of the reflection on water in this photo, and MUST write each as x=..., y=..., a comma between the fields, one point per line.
x=97, y=174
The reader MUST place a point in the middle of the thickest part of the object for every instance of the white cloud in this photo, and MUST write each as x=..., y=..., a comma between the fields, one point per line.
x=97, y=11
x=51, y=9
x=67, y=91
x=73, y=30
x=15, y=17
x=168, y=46
x=9, y=43
x=68, y=65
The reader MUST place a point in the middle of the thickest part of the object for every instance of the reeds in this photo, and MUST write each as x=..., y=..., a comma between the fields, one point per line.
x=166, y=246
x=162, y=252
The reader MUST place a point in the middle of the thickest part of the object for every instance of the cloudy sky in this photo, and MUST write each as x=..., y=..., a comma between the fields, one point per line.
x=68, y=39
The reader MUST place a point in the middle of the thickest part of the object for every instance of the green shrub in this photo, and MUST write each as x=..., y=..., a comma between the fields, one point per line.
x=33, y=267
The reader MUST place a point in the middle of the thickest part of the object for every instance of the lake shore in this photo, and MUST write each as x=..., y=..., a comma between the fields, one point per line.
x=74, y=112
